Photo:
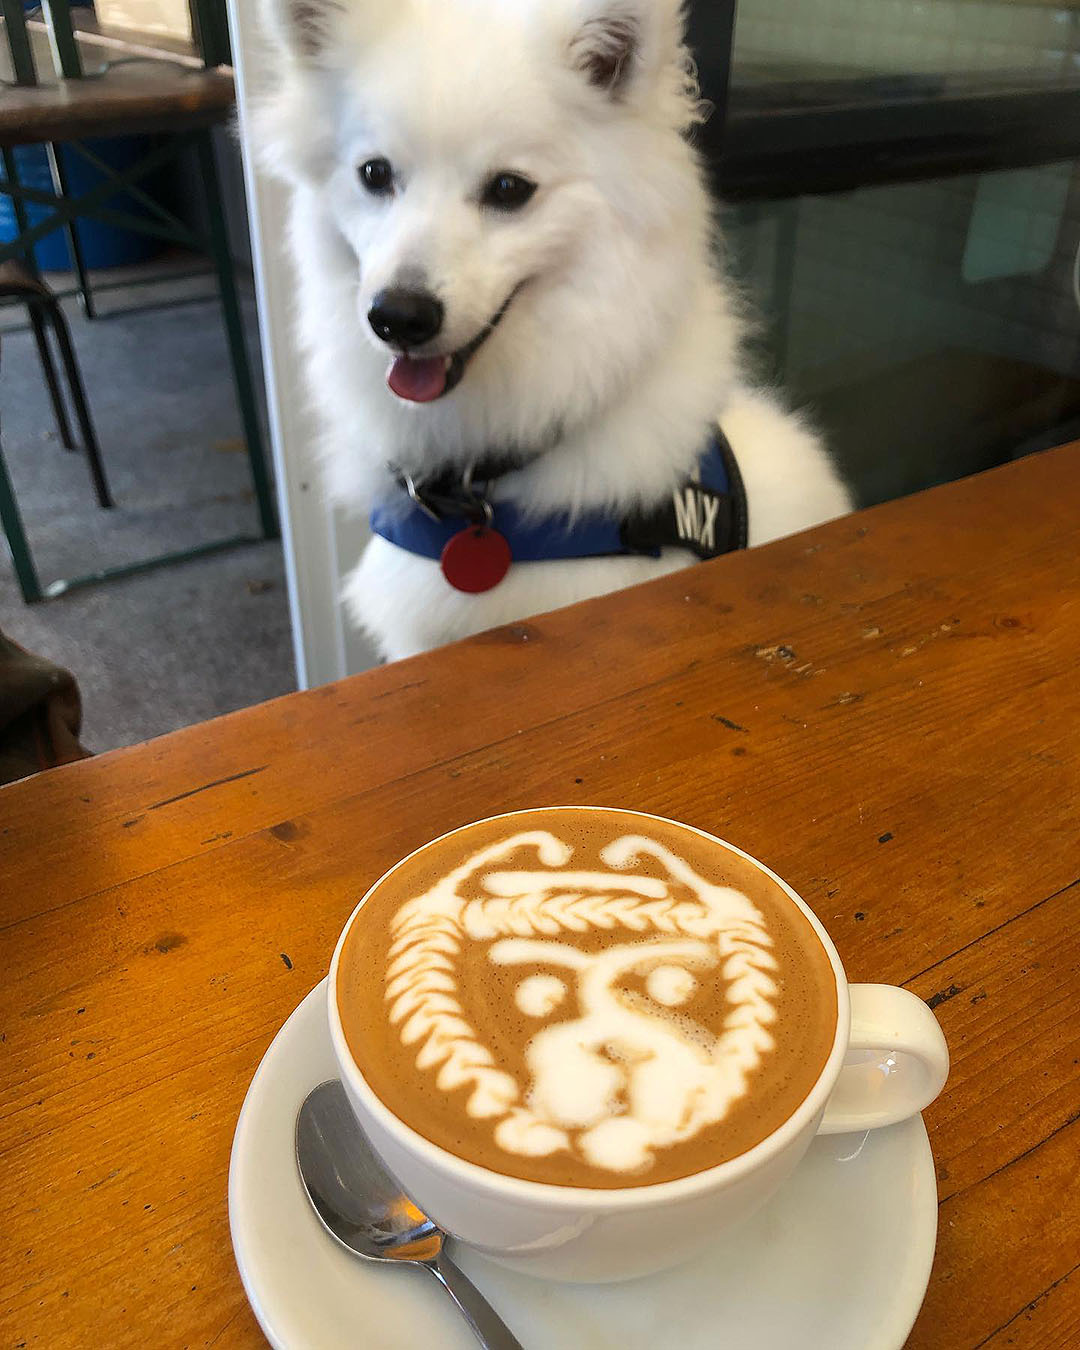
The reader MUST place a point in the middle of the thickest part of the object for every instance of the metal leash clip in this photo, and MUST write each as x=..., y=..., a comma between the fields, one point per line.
x=475, y=499
x=416, y=497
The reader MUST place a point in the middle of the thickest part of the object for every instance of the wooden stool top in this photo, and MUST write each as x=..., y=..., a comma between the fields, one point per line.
x=163, y=94
x=18, y=282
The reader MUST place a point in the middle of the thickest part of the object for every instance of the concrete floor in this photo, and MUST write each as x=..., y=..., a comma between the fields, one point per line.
x=182, y=643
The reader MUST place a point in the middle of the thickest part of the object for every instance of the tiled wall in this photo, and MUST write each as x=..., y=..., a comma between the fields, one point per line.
x=899, y=289
x=854, y=283
x=911, y=35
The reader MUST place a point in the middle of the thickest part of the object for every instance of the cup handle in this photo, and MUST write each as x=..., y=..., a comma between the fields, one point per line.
x=896, y=1064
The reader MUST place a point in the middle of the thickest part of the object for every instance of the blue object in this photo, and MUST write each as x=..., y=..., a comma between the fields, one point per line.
x=103, y=245
x=531, y=539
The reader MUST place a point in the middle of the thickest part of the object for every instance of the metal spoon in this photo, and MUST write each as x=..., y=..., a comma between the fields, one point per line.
x=361, y=1206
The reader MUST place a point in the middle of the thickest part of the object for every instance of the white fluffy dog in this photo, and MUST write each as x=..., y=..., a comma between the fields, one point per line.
x=509, y=304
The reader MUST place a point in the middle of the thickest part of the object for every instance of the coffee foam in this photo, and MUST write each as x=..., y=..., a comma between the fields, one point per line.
x=635, y=947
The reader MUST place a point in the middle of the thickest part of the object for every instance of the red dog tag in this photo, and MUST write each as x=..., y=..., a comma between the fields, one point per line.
x=475, y=559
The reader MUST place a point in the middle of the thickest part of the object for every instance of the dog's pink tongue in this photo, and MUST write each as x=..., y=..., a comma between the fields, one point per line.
x=419, y=381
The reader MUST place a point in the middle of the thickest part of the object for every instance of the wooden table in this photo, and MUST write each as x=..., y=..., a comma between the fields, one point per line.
x=163, y=95
x=885, y=709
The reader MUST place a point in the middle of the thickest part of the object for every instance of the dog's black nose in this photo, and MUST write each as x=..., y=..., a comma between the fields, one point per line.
x=405, y=318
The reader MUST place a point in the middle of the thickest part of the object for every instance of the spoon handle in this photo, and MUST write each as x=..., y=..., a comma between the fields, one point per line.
x=491, y=1331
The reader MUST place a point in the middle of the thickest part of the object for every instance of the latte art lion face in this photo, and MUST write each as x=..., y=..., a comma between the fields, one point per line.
x=614, y=1074
x=585, y=997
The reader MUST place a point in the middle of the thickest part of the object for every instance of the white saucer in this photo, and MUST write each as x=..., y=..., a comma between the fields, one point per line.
x=840, y=1258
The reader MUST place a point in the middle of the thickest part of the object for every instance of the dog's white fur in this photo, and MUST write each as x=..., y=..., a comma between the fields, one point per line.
x=620, y=349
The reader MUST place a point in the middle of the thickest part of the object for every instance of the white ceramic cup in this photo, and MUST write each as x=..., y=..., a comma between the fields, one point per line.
x=888, y=1061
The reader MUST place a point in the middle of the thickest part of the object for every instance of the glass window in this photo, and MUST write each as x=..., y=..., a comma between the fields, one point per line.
x=903, y=189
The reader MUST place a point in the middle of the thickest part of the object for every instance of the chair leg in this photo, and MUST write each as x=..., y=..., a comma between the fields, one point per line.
x=82, y=411
x=11, y=174
x=18, y=206
x=48, y=369
x=59, y=180
x=11, y=520
x=234, y=328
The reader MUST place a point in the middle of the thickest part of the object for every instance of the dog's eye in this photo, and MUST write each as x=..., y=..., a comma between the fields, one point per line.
x=507, y=192
x=377, y=176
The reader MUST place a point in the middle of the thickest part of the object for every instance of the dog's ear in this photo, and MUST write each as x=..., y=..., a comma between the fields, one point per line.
x=605, y=47
x=619, y=43
x=291, y=117
x=303, y=28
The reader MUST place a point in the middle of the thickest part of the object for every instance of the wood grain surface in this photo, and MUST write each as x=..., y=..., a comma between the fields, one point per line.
x=885, y=709
x=141, y=97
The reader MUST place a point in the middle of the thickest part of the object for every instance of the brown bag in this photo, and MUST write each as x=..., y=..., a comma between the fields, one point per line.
x=40, y=713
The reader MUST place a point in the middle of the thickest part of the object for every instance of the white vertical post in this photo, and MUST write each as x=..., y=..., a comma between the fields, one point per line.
x=308, y=527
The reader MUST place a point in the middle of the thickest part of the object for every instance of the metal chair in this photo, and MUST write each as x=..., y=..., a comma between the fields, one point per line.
x=185, y=97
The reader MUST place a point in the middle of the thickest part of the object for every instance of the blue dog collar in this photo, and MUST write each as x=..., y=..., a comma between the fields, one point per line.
x=705, y=514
